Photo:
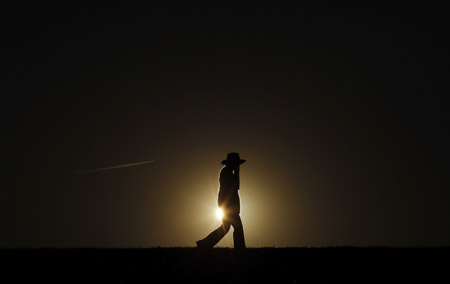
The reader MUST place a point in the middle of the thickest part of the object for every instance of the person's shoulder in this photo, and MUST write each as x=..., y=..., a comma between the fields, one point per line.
x=225, y=170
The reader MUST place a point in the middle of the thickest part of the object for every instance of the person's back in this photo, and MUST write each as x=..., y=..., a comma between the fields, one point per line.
x=228, y=190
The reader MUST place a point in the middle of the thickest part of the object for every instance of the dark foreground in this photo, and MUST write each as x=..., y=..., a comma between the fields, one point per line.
x=259, y=265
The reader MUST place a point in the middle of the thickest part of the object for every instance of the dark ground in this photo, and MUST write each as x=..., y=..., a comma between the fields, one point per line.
x=221, y=265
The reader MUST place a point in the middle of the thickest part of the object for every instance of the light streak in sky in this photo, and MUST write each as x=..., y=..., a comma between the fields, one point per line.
x=116, y=167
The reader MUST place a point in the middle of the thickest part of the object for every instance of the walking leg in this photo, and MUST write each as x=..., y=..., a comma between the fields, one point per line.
x=215, y=236
x=238, y=234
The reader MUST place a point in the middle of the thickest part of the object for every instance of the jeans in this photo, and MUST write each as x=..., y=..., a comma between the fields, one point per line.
x=238, y=235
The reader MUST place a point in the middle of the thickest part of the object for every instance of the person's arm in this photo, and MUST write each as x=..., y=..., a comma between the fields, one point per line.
x=236, y=178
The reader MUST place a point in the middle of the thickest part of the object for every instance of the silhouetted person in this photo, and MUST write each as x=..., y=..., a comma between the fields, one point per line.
x=230, y=204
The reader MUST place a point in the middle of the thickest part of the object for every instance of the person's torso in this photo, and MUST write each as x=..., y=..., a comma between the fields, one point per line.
x=228, y=190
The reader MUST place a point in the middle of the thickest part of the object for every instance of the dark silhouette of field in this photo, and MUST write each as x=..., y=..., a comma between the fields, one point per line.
x=222, y=265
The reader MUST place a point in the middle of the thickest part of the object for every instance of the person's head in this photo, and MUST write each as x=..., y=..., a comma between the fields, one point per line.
x=233, y=166
x=233, y=161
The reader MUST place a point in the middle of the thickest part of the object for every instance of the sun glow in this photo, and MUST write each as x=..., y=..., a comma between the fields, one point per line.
x=219, y=213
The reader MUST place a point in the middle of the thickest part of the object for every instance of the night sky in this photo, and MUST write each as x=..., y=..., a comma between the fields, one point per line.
x=341, y=112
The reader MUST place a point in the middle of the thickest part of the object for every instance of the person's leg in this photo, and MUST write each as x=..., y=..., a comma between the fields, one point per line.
x=215, y=236
x=238, y=234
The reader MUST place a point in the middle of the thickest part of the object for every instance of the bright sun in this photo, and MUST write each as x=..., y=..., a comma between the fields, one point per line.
x=219, y=213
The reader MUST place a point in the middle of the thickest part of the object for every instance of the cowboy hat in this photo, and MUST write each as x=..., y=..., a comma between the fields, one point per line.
x=233, y=158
